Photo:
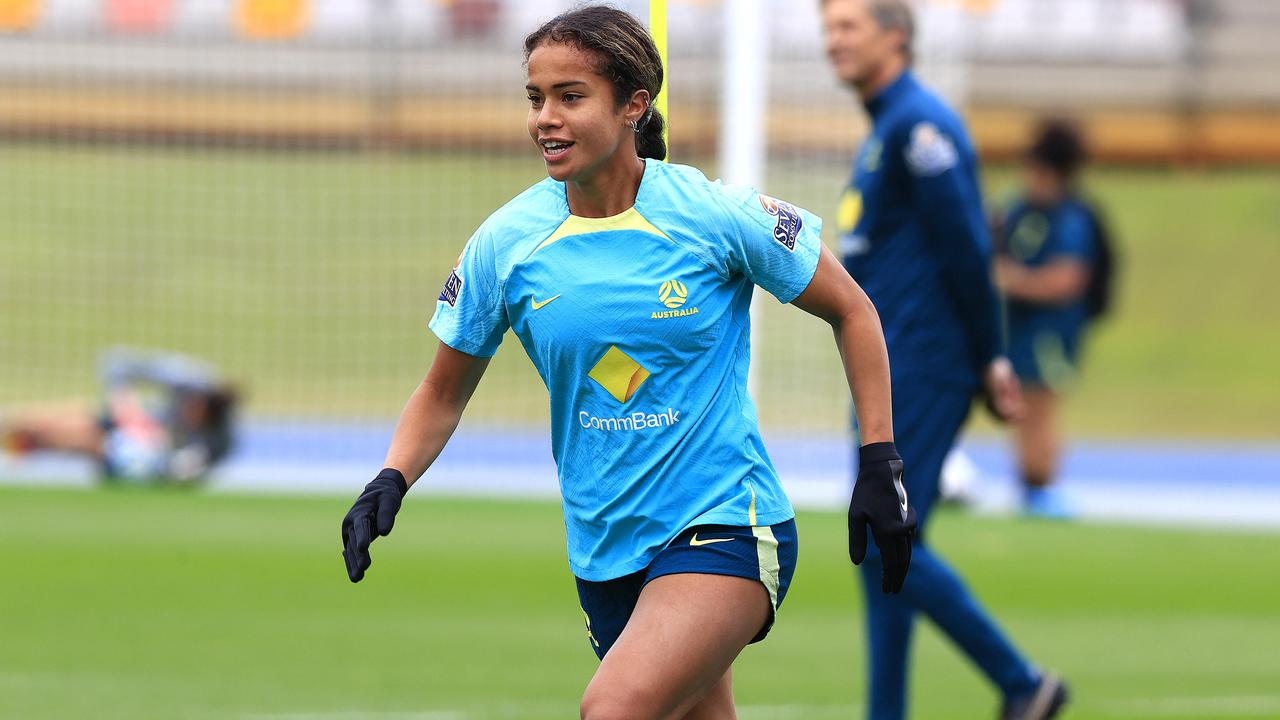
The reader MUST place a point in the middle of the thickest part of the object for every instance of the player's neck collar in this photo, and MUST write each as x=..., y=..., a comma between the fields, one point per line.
x=885, y=97
x=645, y=175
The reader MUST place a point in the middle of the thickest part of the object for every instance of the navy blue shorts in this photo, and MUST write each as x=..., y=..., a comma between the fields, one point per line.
x=767, y=554
x=1046, y=359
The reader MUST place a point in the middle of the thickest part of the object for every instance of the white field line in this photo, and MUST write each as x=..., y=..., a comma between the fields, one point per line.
x=1204, y=706
x=352, y=715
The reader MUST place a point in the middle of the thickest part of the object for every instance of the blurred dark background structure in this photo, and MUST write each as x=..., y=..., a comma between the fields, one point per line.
x=1155, y=80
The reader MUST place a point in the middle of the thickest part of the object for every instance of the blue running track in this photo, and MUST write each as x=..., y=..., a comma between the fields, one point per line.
x=1142, y=481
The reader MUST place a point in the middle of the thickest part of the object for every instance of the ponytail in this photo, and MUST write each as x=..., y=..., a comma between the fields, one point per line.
x=649, y=140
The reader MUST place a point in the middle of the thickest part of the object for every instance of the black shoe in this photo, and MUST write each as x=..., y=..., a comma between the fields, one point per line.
x=1047, y=700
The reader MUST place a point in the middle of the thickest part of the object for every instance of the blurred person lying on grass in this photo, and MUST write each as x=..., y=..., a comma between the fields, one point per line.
x=163, y=418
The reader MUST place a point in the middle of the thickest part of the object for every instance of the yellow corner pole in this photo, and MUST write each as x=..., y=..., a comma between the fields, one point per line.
x=658, y=29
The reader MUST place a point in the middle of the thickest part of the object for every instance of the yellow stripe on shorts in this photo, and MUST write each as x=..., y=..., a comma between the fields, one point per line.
x=766, y=552
x=767, y=556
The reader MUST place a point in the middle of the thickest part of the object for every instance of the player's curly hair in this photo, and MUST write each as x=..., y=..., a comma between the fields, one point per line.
x=627, y=57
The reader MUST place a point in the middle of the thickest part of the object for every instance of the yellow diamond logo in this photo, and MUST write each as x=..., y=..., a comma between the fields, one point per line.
x=619, y=374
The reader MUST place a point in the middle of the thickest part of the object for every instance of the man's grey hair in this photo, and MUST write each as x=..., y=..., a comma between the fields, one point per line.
x=896, y=15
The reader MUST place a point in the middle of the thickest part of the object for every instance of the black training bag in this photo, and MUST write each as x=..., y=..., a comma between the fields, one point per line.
x=1100, y=292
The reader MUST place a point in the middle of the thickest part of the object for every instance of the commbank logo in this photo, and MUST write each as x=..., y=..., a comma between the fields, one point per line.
x=619, y=374
x=633, y=422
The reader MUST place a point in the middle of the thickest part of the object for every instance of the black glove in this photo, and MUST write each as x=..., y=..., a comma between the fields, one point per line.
x=880, y=499
x=373, y=514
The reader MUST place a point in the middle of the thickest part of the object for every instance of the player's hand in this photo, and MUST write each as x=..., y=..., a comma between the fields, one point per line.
x=373, y=514
x=880, y=500
x=1003, y=391
x=1007, y=271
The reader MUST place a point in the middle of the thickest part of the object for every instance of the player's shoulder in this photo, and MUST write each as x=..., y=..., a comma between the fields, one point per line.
x=1078, y=207
x=525, y=218
x=682, y=199
x=692, y=210
x=921, y=111
x=1076, y=216
x=930, y=134
x=681, y=184
x=689, y=191
x=923, y=103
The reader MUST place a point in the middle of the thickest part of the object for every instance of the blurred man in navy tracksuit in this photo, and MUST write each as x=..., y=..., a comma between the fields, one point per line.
x=914, y=236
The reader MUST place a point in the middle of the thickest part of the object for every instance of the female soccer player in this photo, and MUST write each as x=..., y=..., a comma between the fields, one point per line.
x=1048, y=266
x=629, y=282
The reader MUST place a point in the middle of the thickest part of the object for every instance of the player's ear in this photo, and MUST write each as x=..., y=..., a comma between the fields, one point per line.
x=902, y=42
x=637, y=106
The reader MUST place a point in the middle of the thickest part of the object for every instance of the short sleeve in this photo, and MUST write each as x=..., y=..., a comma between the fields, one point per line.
x=773, y=243
x=470, y=315
x=1072, y=239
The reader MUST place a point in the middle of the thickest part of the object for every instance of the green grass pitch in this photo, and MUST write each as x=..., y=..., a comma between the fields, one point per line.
x=134, y=604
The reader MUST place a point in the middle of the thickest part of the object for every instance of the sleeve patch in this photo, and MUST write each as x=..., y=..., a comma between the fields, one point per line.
x=930, y=152
x=789, y=221
x=452, y=289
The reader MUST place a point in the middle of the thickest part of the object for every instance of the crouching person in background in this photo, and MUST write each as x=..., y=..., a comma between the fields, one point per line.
x=163, y=418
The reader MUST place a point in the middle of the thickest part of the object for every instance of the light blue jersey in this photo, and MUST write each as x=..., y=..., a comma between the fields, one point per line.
x=639, y=326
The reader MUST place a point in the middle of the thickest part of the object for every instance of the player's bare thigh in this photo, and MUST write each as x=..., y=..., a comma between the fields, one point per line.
x=717, y=704
x=674, y=656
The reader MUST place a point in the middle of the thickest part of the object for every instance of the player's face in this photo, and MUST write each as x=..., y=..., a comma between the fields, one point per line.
x=573, y=117
x=855, y=43
x=1043, y=185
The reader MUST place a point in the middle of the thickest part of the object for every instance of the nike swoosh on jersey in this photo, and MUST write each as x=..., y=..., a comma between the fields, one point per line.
x=539, y=305
x=694, y=541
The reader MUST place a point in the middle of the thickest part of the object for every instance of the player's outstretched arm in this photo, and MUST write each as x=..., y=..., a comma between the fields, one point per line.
x=426, y=424
x=1058, y=282
x=879, y=498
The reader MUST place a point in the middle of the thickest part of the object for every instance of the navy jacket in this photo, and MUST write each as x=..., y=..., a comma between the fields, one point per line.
x=1036, y=236
x=914, y=236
